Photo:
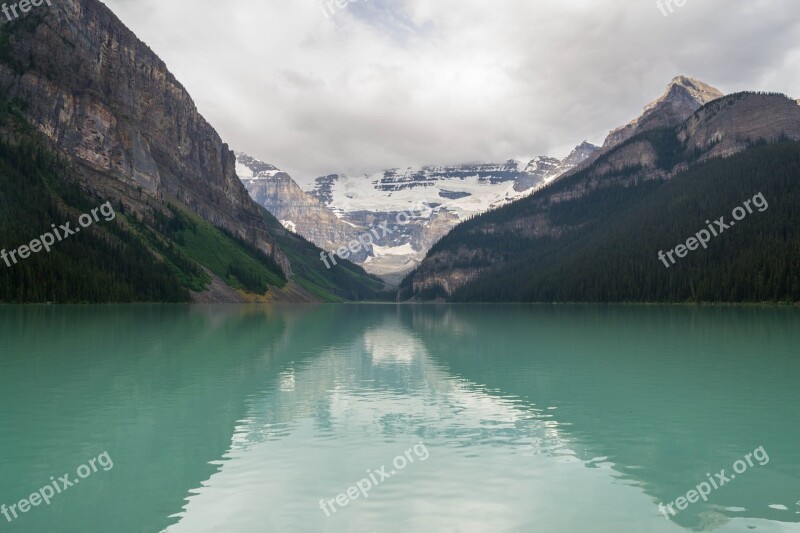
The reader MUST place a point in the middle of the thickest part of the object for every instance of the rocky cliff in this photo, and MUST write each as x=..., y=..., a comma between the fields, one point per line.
x=720, y=128
x=298, y=211
x=104, y=98
x=576, y=158
x=727, y=126
x=683, y=97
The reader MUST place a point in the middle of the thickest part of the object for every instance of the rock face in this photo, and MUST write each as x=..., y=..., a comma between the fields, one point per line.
x=105, y=99
x=538, y=170
x=683, y=97
x=544, y=170
x=298, y=211
x=727, y=126
x=721, y=128
x=575, y=159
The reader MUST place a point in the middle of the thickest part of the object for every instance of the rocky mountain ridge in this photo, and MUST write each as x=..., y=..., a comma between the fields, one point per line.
x=682, y=97
x=297, y=210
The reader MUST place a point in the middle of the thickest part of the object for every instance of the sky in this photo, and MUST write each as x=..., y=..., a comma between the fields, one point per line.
x=378, y=84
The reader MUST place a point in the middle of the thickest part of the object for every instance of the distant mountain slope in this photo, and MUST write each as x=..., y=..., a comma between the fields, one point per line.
x=524, y=251
x=347, y=281
x=614, y=256
x=576, y=158
x=77, y=84
x=548, y=169
x=538, y=170
x=439, y=197
x=298, y=211
x=466, y=189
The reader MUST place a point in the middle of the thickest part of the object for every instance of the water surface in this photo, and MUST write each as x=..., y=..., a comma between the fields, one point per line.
x=532, y=418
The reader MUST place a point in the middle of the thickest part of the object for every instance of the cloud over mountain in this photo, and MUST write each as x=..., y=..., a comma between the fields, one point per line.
x=450, y=81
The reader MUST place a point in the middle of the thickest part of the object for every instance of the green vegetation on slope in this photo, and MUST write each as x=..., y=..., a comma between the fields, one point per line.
x=345, y=281
x=239, y=264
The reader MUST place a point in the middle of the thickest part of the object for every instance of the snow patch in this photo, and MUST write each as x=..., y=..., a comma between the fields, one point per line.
x=404, y=250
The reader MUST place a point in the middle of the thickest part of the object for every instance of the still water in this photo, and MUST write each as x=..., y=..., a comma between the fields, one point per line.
x=460, y=418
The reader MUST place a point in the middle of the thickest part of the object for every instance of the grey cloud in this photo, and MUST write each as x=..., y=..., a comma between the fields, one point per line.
x=381, y=84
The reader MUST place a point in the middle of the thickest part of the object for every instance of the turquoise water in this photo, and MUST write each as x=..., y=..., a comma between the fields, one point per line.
x=508, y=418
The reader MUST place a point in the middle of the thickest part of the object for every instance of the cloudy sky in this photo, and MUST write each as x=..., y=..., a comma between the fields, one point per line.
x=388, y=83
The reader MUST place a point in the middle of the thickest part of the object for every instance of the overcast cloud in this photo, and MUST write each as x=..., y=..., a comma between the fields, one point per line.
x=387, y=83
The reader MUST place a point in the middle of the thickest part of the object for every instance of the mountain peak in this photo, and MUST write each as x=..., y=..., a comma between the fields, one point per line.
x=687, y=81
x=696, y=89
x=684, y=96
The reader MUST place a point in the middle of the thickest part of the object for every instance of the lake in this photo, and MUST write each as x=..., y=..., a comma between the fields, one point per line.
x=360, y=418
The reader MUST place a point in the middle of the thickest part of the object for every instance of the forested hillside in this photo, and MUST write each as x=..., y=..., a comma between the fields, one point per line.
x=611, y=254
x=104, y=263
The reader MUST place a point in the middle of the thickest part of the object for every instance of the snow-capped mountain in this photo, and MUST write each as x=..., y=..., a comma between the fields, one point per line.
x=539, y=170
x=417, y=205
x=548, y=169
x=464, y=189
x=299, y=212
x=580, y=154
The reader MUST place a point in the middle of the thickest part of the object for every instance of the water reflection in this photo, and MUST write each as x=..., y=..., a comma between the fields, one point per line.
x=552, y=418
x=612, y=396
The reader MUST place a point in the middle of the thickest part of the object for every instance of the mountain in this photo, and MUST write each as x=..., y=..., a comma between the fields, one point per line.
x=107, y=122
x=538, y=170
x=595, y=234
x=103, y=98
x=436, y=198
x=297, y=211
x=544, y=170
x=576, y=158
x=417, y=205
x=683, y=97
